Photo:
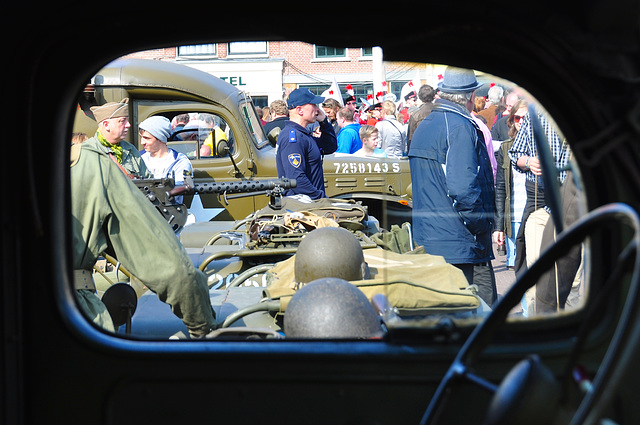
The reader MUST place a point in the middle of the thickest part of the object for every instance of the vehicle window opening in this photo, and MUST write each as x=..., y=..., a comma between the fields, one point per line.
x=198, y=135
x=255, y=127
x=373, y=225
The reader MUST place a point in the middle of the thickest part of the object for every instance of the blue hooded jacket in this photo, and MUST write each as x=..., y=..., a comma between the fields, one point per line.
x=349, y=139
x=453, y=192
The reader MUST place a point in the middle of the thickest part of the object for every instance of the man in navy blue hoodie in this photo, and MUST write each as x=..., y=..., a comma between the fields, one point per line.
x=453, y=193
x=298, y=152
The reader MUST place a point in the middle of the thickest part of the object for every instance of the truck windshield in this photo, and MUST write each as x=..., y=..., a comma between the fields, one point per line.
x=253, y=123
x=202, y=134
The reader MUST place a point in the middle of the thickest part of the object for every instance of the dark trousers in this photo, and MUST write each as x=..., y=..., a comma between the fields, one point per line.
x=483, y=277
x=567, y=266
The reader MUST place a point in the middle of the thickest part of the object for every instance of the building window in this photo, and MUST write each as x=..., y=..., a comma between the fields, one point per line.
x=260, y=101
x=360, y=90
x=396, y=88
x=316, y=89
x=326, y=52
x=367, y=51
x=198, y=50
x=248, y=48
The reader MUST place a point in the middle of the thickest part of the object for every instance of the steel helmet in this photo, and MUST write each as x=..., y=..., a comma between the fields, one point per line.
x=329, y=252
x=331, y=308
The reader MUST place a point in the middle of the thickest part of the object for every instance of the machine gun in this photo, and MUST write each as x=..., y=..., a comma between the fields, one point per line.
x=162, y=194
x=242, y=188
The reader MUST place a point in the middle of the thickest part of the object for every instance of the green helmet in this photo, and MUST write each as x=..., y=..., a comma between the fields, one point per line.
x=329, y=252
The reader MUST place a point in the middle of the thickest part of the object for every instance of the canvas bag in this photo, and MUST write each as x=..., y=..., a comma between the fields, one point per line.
x=300, y=216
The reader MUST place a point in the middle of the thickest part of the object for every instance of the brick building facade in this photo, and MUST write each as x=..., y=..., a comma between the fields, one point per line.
x=270, y=70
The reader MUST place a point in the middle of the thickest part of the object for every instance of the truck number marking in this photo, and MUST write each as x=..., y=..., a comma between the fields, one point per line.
x=365, y=167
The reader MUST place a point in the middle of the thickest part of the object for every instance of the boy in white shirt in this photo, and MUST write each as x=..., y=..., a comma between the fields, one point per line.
x=161, y=160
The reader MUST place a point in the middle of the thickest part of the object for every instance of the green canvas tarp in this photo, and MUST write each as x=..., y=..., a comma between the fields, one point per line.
x=414, y=283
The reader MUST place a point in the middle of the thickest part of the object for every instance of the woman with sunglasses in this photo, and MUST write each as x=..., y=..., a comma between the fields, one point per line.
x=511, y=195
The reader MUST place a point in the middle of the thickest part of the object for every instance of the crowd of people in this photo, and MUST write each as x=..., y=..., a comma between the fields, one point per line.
x=393, y=121
x=474, y=167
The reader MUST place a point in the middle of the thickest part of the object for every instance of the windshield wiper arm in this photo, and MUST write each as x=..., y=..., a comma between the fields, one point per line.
x=550, y=172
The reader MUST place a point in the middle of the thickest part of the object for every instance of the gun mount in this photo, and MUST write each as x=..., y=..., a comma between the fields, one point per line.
x=160, y=193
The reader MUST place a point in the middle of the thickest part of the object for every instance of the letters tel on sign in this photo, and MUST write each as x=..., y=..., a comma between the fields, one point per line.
x=234, y=81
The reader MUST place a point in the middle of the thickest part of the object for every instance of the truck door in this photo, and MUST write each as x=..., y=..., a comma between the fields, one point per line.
x=202, y=131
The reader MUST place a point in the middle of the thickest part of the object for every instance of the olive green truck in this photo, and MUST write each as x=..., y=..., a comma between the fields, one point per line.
x=173, y=90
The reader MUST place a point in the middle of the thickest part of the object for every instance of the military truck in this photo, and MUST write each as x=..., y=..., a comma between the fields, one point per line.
x=216, y=107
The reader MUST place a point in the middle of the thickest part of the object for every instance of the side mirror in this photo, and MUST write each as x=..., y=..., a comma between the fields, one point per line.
x=121, y=302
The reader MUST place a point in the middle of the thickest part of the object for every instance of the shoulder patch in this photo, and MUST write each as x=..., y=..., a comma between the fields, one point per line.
x=295, y=159
x=292, y=136
x=75, y=153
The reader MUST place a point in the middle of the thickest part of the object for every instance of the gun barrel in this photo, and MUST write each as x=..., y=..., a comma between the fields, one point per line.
x=244, y=186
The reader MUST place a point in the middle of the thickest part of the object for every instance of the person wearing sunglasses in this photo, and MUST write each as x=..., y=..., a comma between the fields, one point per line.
x=524, y=157
x=511, y=195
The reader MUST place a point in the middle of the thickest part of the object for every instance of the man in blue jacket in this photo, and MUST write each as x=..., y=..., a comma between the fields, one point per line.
x=453, y=193
x=298, y=152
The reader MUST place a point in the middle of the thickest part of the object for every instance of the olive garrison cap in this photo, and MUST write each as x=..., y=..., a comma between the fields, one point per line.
x=111, y=110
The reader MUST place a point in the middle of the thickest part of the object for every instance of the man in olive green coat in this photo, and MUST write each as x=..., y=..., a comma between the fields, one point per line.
x=110, y=212
x=113, y=126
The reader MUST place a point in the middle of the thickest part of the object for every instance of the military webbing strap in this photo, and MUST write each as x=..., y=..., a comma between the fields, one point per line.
x=126, y=173
x=83, y=279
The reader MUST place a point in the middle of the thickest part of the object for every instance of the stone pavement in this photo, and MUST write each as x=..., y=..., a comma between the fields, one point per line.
x=504, y=278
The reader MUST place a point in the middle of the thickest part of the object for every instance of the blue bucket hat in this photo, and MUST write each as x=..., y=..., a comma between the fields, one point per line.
x=458, y=80
x=300, y=97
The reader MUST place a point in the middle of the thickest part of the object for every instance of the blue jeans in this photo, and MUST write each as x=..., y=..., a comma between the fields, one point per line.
x=511, y=244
